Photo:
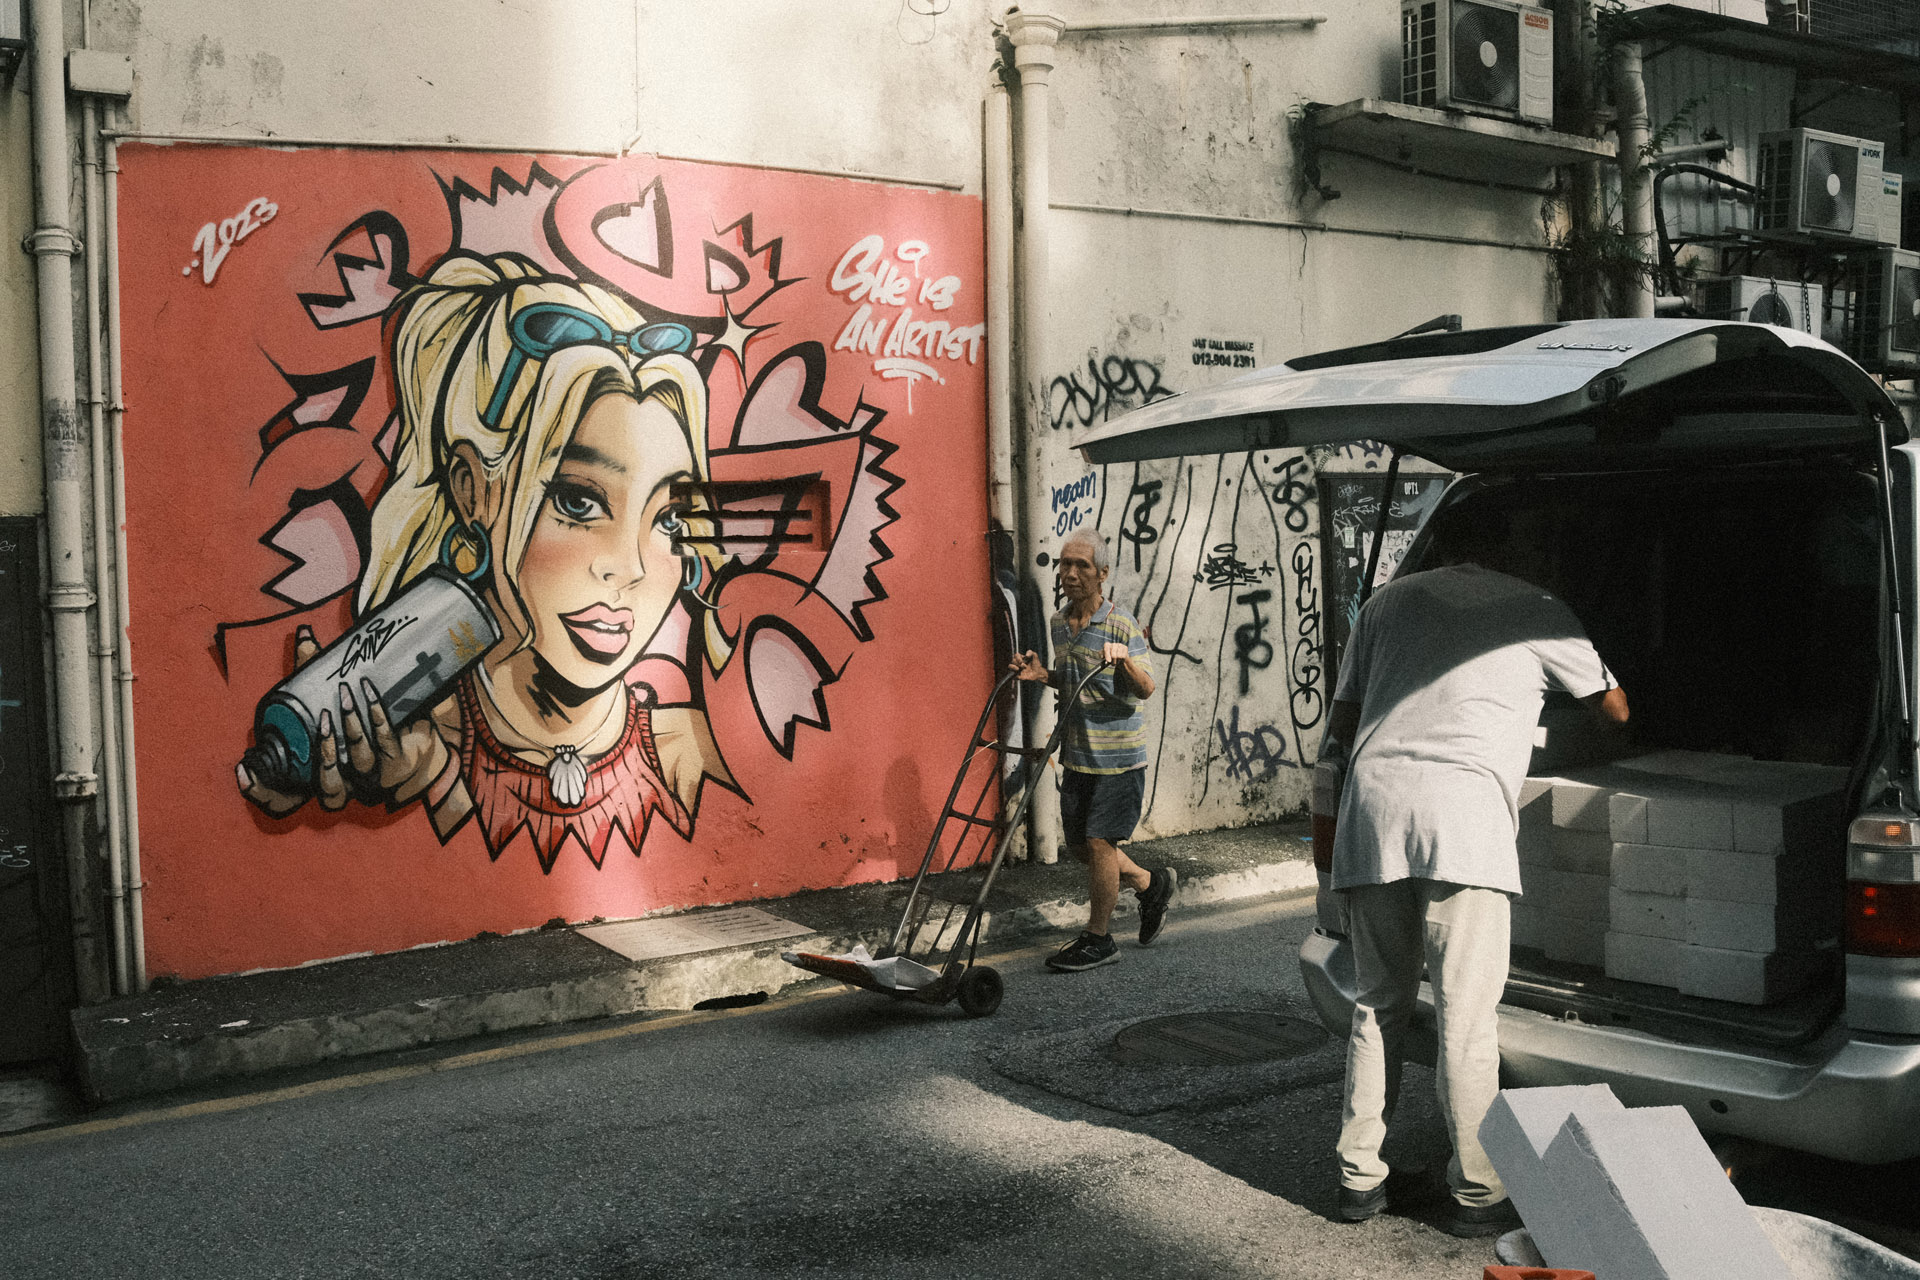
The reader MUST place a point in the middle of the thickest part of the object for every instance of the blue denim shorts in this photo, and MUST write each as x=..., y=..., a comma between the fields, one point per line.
x=1100, y=806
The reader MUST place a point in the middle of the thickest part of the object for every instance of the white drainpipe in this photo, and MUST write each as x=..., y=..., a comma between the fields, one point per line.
x=1636, y=184
x=997, y=183
x=123, y=611
x=104, y=647
x=1034, y=36
x=68, y=598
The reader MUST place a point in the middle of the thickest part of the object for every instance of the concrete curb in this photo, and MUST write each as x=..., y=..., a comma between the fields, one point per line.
x=221, y=1029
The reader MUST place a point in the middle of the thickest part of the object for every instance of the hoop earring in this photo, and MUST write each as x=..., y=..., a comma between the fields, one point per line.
x=473, y=535
x=694, y=575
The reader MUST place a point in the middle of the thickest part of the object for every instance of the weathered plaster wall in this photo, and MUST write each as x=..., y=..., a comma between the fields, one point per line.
x=1221, y=558
x=548, y=75
x=21, y=491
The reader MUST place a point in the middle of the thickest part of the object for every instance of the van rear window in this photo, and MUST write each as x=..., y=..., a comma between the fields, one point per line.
x=1423, y=346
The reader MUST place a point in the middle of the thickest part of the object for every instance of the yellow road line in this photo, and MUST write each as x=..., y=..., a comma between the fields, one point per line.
x=455, y=1062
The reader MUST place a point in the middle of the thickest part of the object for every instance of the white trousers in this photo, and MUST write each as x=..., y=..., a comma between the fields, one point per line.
x=1459, y=933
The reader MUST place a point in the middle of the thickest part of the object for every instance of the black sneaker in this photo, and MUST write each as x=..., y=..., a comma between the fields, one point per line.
x=1088, y=951
x=1404, y=1189
x=1473, y=1221
x=1153, y=902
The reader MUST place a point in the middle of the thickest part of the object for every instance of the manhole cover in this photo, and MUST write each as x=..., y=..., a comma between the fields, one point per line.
x=1216, y=1039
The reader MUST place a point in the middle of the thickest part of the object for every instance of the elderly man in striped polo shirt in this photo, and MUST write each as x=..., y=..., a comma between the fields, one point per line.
x=1103, y=748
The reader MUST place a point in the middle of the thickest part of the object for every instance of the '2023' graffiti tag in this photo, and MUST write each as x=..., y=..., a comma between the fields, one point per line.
x=216, y=239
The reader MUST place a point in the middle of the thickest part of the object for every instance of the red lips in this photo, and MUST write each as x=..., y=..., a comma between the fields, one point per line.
x=599, y=629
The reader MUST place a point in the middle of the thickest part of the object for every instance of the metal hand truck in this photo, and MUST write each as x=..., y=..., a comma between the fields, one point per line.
x=938, y=935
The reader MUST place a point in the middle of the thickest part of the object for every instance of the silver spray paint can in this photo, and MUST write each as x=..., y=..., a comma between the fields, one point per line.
x=411, y=650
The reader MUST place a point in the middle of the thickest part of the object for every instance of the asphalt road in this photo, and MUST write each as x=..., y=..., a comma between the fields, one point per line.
x=829, y=1133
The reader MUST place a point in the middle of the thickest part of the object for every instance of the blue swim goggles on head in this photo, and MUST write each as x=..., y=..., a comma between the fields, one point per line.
x=545, y=327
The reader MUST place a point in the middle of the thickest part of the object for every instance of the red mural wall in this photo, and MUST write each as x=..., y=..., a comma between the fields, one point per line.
x=702, y=446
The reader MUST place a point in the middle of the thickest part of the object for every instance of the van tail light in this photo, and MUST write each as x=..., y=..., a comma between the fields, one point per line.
x=1883, y=919
x=1883, y=886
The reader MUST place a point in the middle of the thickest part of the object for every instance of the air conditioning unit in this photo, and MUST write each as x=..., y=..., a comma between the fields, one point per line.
x=1490, y=57
x=1791, y=304
x=1826, y=186
x=1883, y=332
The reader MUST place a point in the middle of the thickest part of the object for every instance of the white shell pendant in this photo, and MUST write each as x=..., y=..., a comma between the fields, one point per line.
x=567, y=777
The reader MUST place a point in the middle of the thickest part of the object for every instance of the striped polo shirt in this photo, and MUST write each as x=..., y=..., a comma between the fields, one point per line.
x=1109, y=733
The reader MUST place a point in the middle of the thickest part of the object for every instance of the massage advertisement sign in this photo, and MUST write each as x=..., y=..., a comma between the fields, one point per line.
x=517, y=539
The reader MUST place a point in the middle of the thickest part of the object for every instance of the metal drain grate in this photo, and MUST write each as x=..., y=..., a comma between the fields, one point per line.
x=1221, y=1038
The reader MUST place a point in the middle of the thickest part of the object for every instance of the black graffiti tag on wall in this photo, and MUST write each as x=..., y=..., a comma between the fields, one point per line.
x=1251, y=648
x=1224, y=568
x=1111, y=383
x=1252, y=755
x=1139, y=527
x=1292, y=493
x=1305, y=703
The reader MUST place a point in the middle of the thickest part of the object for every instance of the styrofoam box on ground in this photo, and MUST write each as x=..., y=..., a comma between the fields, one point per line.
x=1634, y=957
x=1588, y=852
x=1576, y=940
x=1748, y=977
x=1528, y=924
x=1726, y=875
x=1643, y=868
x=1653, y=915
x=1658, y=1202
x=1576, y=893
x=1519, y=1127
x=1757, y=926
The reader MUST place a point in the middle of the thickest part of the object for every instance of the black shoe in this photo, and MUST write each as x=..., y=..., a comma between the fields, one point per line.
x=1153, y=902
x=1088, y=951
x=1403, y=1189
x=1358, y=1206
x=1474, y=1221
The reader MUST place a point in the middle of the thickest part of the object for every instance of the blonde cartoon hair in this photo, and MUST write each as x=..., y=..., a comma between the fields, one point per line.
x=452, y=347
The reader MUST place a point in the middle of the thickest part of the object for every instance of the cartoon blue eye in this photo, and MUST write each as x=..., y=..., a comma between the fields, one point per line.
x=573, y=503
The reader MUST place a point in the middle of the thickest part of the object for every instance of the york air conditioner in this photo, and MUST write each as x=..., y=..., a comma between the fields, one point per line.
x=1883, y=329
x=1490, y=57
x=1826, y=186
x=1791, y=304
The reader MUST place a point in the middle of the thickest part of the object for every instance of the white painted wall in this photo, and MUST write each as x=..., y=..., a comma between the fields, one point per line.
x=21, y=491
x=1194, y=129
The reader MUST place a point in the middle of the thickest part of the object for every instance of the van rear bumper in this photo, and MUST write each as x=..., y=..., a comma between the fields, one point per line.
x=1850, y=1095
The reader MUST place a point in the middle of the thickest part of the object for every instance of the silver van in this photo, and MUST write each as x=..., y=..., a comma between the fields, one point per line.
x=1732, y=511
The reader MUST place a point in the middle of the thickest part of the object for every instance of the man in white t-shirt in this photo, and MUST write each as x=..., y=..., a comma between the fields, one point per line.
x=1440, y=690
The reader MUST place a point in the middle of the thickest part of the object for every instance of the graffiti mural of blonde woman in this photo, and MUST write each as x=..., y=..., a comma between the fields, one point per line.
x=551, y=450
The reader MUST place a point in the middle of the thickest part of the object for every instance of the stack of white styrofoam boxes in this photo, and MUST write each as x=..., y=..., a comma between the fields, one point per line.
x=1716, y=875
x=1622, y=1192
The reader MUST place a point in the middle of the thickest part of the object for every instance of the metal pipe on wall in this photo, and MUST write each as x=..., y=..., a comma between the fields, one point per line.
x=122, y=592
x=997, y=183
x=52, y=245
x=1636, y=184
x=1034, y=36
x=103, y=615
x=1200, y=23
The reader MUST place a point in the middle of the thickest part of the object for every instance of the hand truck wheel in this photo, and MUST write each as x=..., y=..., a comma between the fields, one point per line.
x=980, y=990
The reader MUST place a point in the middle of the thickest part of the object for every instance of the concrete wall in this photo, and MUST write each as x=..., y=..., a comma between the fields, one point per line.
x=1184, y=245
x=21, y=491
x=1227, y=256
